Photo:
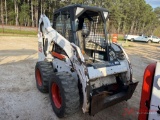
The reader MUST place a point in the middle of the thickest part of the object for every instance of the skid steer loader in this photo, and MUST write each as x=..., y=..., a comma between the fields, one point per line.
x=77, y=63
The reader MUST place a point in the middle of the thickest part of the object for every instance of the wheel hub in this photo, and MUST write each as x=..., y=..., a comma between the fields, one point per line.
x=38, y=77
x=56, y=97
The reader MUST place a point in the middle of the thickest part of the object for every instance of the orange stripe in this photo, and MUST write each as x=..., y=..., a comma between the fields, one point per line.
x=59, y=56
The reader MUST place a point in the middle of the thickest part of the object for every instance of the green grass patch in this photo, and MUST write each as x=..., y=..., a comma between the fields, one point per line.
x=121, y=38
x=17, y=32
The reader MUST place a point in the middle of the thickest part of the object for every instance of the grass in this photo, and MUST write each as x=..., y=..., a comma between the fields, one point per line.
x=14, y=32
x=120, y=38
x=17, y=32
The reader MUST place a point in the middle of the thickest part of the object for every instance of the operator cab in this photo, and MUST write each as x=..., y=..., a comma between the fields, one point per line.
x=84, y=26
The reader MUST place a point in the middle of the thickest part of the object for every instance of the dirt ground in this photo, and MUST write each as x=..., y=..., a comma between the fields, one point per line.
x=20, y=99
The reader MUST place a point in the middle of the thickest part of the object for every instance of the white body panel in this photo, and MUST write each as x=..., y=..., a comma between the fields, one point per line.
x=106, y=71
x=155, y=97
x=62, y=66
x=154, y=39
x=129, y=37
x=136, y=37
x=41, y=55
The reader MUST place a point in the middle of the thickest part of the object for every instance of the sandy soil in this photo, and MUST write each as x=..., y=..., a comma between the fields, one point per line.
x=20, y=99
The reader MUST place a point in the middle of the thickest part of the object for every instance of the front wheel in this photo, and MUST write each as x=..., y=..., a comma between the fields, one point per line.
x=64, y=94
x=43, y=72
x=158, y=42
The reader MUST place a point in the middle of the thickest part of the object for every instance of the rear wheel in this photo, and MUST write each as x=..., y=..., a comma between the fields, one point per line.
x=64, y=94
x=43, y=73
x=158, y=42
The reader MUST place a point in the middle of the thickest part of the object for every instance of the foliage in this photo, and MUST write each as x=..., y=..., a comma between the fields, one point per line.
x=126, y=16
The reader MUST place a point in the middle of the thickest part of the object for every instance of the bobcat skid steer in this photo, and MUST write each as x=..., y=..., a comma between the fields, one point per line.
x=77, y=63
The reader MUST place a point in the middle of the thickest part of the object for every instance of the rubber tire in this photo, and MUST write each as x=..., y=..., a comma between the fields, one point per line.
x=132, y=39
x=158, y=42
x=46, y=71
x=69, y=93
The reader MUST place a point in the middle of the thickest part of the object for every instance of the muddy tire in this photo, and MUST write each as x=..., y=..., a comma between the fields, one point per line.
x=64, y=94
x=43, y=73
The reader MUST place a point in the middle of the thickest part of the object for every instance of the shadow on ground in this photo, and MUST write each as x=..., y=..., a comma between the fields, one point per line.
x=17, y=52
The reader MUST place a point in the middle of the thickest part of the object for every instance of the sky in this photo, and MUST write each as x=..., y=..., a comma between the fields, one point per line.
x=153, y=3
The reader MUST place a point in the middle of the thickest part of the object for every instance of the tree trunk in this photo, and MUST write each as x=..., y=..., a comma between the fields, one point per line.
x=143, y=27
x=37, y=12
x=32, y=13
x=16, y=12
x=132, y=26
x=41, y=6
x=119, y=23
x=30, y=16
x=2, y=17
x=135, y=28
x=17, y=23
x=124, y=28
x=6, y=12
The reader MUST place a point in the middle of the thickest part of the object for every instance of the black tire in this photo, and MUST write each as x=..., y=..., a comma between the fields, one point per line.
x=158, y=42
x=43, y=73
x=67, y=94
x=132, y=39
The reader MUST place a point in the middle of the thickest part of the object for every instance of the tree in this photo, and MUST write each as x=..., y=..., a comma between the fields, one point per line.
x=2, y=16
x=16, y=2
x=126, y=16
x=157, y=12
x=6, y=12
x=24, y=14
